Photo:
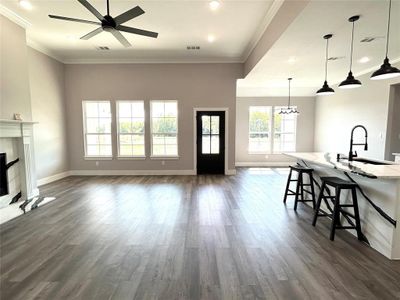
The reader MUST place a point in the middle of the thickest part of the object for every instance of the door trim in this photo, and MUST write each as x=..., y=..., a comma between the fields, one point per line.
x=224, y=109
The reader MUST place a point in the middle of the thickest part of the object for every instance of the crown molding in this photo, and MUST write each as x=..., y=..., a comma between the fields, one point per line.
x=273, y=9
x=147, y=61
x=9, y=14
x=34, y=45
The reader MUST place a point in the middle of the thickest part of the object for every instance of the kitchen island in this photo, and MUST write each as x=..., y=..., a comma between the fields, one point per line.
x=378, y=194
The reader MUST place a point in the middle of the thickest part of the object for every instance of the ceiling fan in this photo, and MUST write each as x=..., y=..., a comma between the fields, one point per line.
x=110, y=24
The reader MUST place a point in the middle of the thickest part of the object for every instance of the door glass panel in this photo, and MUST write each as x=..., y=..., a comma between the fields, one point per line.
x=215, y=124
x=205, y=144
x=215, y=144
x=205, y=124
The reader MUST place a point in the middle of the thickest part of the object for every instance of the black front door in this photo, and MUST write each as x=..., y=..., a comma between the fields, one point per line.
x=210, y=142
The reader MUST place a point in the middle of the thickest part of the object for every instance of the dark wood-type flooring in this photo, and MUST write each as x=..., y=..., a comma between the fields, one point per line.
x=184, y=237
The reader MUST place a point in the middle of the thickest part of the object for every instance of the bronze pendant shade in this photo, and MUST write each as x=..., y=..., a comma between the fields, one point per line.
x=326, y=89
x=386, y=70
x=350, y=82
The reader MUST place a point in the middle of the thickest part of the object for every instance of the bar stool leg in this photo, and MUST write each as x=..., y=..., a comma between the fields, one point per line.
x=302, y=188
x=356, y=214
x=336, y=214
x=321, y=194
x=287, y=186
x=312, y=190
x=299, y=184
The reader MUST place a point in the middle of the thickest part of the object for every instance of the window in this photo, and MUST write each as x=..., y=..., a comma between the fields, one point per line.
x=284, y=131
x=130, y=116
x=259, y=129
x=210, y=134
x=97, y=128
x=164, y=128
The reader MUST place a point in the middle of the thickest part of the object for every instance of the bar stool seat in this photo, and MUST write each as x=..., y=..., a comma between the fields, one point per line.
x=353, y=219
x=300, y=191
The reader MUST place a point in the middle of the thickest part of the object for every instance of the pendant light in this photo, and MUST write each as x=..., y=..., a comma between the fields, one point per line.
x=386, y=70
x=326, y=89
x=289, y=110
x=351, y=82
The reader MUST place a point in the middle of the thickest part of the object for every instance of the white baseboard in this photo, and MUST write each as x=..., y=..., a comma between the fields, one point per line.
x=52, y=178
x=264, y=164
x=130, y=172
x=59, y=176
x=231, y=172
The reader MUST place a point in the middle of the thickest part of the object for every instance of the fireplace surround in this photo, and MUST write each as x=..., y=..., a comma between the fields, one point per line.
x=21, y=132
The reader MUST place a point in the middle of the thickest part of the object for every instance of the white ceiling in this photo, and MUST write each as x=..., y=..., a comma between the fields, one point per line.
x=300, y=51
x=179, y=23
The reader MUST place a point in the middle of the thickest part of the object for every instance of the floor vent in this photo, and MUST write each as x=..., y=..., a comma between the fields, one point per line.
x=102, y=48
x=193, y=47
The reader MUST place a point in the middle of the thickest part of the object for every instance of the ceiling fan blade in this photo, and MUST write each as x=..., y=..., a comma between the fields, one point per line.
x=74, y=20
x=91, y=9
x=137, y=31
x=118, y=35
x=129, y=15
x=92, y=33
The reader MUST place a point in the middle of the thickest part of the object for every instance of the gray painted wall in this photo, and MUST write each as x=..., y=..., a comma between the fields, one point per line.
x=48, y=109
x=337, y=114
x=393, y=133
x=14, y=83
x=193, y=85
x=305, y=127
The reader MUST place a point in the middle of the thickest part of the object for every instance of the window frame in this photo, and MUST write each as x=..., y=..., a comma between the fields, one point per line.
x=127, y=157
x=84, y=117
x=152, y=156
x=272, y=132
x=294, y=132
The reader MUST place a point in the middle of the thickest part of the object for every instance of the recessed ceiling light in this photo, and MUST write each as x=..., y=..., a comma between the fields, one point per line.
x=210, y=38
x=291, y=60
x=214, y=5
x=364, y=59
x=25, y=4
x=72, y=38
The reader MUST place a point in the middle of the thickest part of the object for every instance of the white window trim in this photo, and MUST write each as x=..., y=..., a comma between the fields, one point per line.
x=266, y=152
x=294, y=132
x=272, y=131
x=152, y=156
x=130, y=157
x=95, y=157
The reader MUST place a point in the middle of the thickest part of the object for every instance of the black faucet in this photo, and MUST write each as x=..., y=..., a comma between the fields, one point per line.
x=351, y=155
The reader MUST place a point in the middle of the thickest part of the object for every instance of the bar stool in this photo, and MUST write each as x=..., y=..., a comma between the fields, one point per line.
x=300, y=185
x=339, y=184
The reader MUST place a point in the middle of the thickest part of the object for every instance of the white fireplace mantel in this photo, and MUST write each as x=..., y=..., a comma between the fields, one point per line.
x=22, y=131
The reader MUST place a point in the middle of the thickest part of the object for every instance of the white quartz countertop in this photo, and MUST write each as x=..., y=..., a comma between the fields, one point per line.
x=389, y=171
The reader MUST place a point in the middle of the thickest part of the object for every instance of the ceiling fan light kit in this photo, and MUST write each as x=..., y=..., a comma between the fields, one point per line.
x=109, y=24
x=386, y=70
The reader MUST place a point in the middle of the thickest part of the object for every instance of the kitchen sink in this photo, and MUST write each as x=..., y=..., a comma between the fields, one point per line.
x=369, y=161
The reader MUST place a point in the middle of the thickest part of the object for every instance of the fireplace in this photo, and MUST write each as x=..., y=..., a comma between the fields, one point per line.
x=16, y=145
x=3, y=175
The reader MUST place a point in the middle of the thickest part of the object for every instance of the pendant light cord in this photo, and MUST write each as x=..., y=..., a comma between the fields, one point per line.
x=388, y=29
x=351, y=49
x=108, y=7
x=326, y=60
x=289, y=93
